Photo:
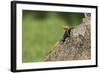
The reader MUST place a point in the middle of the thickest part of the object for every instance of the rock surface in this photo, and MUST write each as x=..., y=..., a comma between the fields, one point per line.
x=75, y=47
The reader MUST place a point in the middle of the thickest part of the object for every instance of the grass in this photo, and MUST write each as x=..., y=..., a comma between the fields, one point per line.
x=39, y=35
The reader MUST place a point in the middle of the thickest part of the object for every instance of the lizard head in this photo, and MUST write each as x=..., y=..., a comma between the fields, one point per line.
x=65, y=27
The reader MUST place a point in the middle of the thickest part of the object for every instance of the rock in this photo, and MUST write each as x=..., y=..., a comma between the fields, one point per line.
x=75, y=47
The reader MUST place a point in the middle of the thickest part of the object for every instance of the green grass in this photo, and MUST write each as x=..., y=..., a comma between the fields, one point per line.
x=39, y=35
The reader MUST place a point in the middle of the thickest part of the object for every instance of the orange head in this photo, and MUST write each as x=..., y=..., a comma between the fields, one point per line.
x=65, y=27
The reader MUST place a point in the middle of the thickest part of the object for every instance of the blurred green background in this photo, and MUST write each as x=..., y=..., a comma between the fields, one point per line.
x=42, y=29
